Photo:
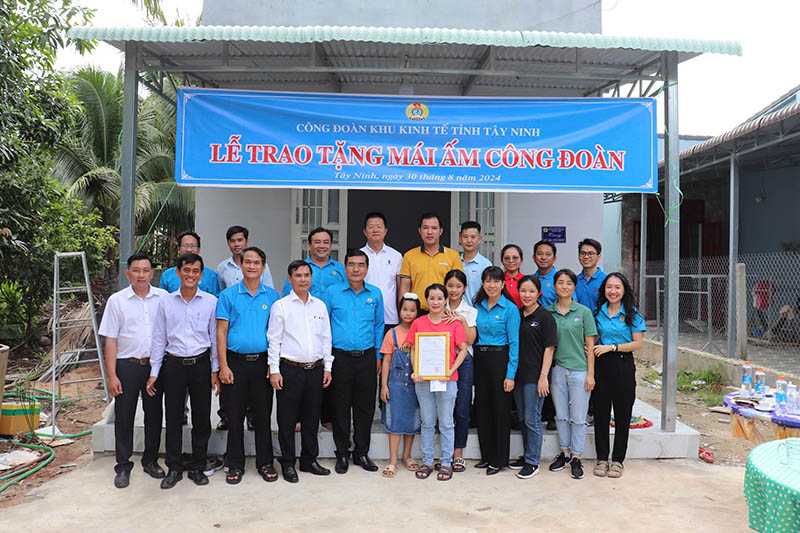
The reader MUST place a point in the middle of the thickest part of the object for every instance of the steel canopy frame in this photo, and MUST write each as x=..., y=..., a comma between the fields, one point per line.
x=659, y=73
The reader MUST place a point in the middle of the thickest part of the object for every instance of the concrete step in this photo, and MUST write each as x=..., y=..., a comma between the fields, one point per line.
x=647, y=443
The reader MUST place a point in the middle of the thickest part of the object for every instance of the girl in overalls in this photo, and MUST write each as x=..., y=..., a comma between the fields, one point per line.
x=400, y=412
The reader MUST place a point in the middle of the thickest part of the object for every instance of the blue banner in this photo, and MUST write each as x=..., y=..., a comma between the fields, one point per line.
x=304, y=140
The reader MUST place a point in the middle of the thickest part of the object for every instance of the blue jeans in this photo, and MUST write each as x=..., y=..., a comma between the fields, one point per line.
x=432, y=404
x=466, y=374
x=568, y=388
x=529, y=405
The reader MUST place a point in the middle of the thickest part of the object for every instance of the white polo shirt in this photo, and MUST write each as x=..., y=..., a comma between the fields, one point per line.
x=384, y=266
x=129, y=319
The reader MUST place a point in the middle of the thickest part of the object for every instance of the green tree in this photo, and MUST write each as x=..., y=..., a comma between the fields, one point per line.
x=35, y=102
x=88, y=160
x=37, y=219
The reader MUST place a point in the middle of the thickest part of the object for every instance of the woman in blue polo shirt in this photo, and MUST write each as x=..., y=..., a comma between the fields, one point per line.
x=621, y=328
x=496, y=352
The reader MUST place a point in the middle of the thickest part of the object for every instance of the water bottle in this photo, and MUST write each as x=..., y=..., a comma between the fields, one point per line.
x=791, y=399
x=759, y=381
x=781, y=388
x=747, y=380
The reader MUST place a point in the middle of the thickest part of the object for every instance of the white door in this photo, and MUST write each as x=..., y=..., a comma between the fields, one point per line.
x=486, y=209
x=314, y=208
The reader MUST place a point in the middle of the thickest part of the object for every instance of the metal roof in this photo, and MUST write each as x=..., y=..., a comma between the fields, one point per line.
x=440, y=60
x=769, y=141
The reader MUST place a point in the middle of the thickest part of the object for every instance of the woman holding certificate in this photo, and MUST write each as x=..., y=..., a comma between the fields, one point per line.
x=439, y=349
x=573, y=373
x=496, y=356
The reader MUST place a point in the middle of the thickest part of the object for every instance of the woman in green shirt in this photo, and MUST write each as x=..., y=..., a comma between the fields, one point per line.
x=573, y=372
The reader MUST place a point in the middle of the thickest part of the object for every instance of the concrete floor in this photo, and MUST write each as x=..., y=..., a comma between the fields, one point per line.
x=653, y=495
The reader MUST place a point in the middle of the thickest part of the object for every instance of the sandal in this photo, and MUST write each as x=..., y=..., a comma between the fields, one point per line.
x=459, y=464
x=424, y=471
x=615, y=470
x=234, y=476
x=706, y=455
x=389, y=471
x=445, y=473
x=269, y=473
x=601, y=469
x=411, y=464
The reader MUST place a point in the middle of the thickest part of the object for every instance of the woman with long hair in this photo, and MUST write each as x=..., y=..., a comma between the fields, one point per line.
x=438, y=404
x=573, y=373
x=496, y=355
x=458, y=309
x=620, y=328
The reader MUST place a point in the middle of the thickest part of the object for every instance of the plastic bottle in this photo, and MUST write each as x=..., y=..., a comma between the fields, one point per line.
x=791, y=399
x=759, y=380
x=747, y=380
x=781, y=388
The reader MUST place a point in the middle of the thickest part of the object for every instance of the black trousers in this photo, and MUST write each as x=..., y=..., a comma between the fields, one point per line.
x=300, y=399
x=353, y=389
x=178, y=379
x=492, y=405
x=250, y=387
x=133, y=377
x=615, y=385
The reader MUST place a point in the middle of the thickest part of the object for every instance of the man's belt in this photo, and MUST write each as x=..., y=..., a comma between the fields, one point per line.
x=138, y=360
x=355, y=354
x=247, y=356
x=305, y=366
x=479, y=348
x=189, y=361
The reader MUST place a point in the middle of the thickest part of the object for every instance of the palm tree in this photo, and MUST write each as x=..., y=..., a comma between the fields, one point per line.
x=88, y=160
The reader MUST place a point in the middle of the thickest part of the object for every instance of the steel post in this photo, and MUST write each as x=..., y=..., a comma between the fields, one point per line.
x=733, y=252
x=671, y=243
x=643, y=257
x=128, y=176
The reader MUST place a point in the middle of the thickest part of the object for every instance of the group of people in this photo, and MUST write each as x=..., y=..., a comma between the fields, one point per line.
x=341, y=333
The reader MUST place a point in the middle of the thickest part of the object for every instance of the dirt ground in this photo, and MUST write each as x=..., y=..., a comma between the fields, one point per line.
x=79, y=416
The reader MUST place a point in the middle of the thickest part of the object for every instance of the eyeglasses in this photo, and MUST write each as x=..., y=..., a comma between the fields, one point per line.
x=356, y=265
x=587, y=254
x=190, y=246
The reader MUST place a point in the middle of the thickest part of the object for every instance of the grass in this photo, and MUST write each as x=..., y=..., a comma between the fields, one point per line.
x=709, y=391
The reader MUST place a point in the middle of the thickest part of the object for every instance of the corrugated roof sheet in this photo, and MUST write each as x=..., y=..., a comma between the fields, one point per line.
x=411, y=36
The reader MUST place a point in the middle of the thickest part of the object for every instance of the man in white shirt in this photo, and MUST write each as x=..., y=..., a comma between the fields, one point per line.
x=300, y=361
x=185, y=355
x=127, y=328
x=384, y=266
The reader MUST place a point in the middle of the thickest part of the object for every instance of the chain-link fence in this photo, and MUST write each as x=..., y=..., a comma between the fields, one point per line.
x=773, y=306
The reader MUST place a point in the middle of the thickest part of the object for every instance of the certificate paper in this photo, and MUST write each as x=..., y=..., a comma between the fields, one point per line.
x=438, y=386
x=432, y=355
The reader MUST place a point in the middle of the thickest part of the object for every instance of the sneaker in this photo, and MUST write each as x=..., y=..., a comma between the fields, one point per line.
x=213, y=463
x=516, y=465
x=528, y=471
x=559, y=463
x=576, y=467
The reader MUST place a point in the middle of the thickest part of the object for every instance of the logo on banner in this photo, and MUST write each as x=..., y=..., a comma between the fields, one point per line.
x=417, y=111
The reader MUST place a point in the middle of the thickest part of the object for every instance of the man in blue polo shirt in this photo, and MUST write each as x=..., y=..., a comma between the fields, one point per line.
x=324, y=270
x=242, y=319
x=591, y=277
x=470, y=239
x=544, y=255
x=189, y=241
x=356, y=314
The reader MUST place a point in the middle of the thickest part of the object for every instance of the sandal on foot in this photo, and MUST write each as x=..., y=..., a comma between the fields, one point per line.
x=410, y=464
x=445, y=473
x=459, y=465
x=615, y=470
x=389, y=471
x=601, y=469
x=234, y=476
x=424, y=471
x=269, y=473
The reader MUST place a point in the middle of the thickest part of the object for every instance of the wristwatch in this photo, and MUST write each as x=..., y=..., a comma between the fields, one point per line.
x=614, y=347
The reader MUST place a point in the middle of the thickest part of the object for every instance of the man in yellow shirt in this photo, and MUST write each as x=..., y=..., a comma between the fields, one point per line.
x=429, y=263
